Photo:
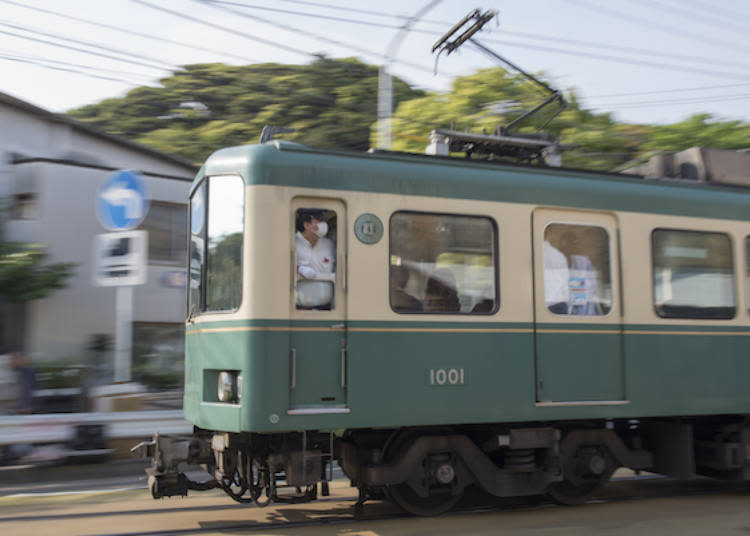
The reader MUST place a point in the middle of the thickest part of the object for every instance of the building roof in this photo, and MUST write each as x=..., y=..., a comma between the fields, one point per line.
x=93, y=131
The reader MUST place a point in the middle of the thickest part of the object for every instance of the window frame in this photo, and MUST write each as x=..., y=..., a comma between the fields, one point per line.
x=495, y=263
x=173, y=242
x=733, y=271
x=203, y=294
x=610, y=259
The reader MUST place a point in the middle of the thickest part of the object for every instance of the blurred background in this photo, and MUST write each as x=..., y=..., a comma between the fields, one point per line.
x=90, y=88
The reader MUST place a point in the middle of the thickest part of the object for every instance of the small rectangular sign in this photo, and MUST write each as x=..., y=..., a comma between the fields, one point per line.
x=120, y=258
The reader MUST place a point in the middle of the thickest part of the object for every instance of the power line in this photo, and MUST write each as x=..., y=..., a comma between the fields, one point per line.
x=76, y=49
x=526, y=35
x=626, y=49
x=700, y=19
x=620, y=15
x=221, y=5
x=152, y=61
x=20, y=59
x=130, y=32
x=691, y=100
x=225, y=29
x=724, y=12
x=618, y=59
x=42, y=59
x=677, y=90
x=558, y=50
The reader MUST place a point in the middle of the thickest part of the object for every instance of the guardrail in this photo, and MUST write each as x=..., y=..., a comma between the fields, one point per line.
x=61, y=427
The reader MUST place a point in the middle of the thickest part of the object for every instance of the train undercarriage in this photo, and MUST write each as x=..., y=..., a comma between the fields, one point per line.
x=427, y=470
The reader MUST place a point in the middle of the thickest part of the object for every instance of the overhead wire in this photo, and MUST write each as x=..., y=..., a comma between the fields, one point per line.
x=192, y=46
x=677, y=90
x=525, y=35
x=704, y=19
x=21, y=59
x=222, y=5
x=723, y=12
x=643, y=22
x=227, y=29
x=557, y=50
x=82, y=50
x=95, y=68
x=152, y=62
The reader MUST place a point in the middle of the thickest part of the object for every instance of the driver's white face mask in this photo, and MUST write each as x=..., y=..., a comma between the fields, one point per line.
x=321, y=229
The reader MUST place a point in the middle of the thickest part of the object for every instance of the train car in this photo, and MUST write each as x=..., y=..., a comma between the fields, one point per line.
x=435, y=323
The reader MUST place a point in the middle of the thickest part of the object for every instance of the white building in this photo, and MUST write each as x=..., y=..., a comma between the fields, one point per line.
x=50, y=169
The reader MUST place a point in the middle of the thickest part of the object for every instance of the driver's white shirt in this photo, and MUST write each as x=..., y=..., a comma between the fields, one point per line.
x=321, y=258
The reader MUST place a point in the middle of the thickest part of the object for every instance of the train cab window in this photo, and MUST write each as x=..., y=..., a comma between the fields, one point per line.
x=315, y=259
x=443, y=263
x=216, y=231
x=693, y=274
x=577, y=275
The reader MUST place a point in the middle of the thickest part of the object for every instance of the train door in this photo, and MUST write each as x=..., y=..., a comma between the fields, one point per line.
x=318, y=338
x=577, y=314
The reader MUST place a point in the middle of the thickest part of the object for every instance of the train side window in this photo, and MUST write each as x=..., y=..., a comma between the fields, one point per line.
x=693, y=274
x=577, y=274
x=443, y=263
x=315, y=259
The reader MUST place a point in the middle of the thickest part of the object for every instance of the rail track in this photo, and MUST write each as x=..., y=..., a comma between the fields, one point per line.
x=134, y=516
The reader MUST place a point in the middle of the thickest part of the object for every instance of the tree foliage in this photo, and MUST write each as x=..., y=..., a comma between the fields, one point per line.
x=24, y=276
x=200, y=108
x=332, y=104
x=492, y=97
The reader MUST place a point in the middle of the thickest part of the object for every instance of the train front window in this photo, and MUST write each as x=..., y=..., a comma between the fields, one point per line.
x=442, y=263
x=216, y=225
x=693, y=274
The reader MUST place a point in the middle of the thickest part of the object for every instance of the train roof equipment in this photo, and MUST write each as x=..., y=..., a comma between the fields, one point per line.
x=502, y=144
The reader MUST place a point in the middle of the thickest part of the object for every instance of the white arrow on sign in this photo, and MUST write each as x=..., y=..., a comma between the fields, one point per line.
x=120, y=195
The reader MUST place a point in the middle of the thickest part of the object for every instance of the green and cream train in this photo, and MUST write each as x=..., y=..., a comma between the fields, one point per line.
x=434, y=323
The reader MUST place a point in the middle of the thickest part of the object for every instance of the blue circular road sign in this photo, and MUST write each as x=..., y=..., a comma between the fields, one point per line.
x=123, y=201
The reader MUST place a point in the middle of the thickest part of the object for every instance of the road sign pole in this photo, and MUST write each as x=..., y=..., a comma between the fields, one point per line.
x=123, y=334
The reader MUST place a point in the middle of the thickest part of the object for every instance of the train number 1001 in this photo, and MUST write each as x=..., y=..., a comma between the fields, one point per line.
x=454, y=376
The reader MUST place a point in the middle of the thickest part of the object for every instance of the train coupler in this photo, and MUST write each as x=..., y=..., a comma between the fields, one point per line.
x=166, y=454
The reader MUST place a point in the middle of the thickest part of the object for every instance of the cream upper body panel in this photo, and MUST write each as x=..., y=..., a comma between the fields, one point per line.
x=268, y=258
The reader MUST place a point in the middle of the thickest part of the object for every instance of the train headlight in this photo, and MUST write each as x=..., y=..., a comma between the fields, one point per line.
x=227, y=388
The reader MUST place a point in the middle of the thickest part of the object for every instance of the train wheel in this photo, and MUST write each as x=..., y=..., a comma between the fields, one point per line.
x=586, y=470
x=434, y=505
x=403, y=495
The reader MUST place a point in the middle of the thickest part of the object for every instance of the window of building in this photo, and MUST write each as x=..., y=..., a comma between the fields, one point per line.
x=693, y=274
x=159, y=354
x=24, y=206
x=443, y=263
x=315, y=259
x=577, y=274
x=166, y=224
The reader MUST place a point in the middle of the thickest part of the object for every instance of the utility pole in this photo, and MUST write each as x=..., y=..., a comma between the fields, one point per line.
x=385, y=80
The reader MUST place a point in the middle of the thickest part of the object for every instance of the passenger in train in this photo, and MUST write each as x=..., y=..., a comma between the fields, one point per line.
x=315, y=261
x=402, y=301
x=440, y=294
x=556, y=279
x=584, y=289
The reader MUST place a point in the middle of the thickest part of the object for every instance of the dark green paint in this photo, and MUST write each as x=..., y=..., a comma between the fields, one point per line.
x=664, y=374
x=575, y=367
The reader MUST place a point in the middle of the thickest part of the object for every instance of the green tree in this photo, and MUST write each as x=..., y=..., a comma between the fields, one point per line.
x=24, y=276
x=200, y=108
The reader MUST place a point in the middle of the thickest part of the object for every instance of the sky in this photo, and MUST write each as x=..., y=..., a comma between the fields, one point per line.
x=645, y=61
